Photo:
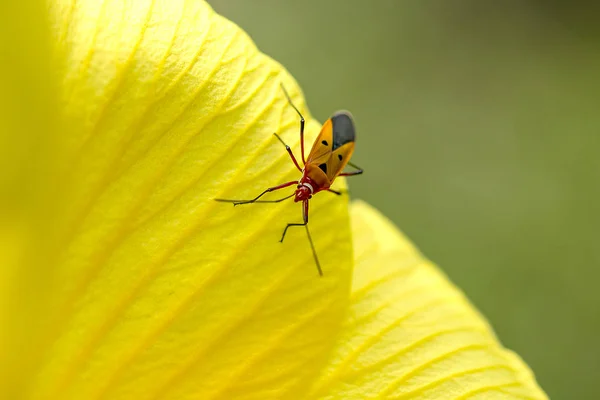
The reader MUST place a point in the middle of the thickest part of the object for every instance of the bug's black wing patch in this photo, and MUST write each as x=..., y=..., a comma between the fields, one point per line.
x=343, y=129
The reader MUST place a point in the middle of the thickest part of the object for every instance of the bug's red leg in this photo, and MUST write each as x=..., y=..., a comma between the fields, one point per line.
x=301, y=123
x=305, y=225
x=312, y=246
x=287, y=148
x=304, y=217
x=255, y=200
x=357, y=172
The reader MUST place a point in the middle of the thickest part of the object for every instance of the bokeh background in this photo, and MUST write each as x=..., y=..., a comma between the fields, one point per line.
x=479, y=130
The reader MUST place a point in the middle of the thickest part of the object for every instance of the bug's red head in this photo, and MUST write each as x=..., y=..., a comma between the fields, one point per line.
x=302, y=193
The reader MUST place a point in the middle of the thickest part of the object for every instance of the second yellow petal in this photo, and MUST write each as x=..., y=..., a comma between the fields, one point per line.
x=410, y=334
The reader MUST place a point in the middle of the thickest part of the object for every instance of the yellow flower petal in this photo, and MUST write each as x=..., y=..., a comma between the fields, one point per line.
x=27, y=153
x=156, y=291
x=159, y=291
x=410, y=334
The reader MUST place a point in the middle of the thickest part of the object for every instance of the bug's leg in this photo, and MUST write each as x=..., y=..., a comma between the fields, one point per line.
x=304, y=217
x=255, y=200
x=271, y=201
x=305, y=225
x=312, y=246
x=351, y=173
x=301, y=123
x=287, y=148
x=334, y=192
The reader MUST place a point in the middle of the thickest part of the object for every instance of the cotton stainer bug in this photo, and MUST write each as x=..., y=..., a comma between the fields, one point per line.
x=330, y=153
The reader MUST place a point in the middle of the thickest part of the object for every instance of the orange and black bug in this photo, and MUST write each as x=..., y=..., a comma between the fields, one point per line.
x=330, y=153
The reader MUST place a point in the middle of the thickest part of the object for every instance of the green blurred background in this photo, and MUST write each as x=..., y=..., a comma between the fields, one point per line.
x=479, y=130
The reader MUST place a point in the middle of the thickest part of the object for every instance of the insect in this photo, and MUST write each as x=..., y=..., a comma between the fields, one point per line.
x=330, y=153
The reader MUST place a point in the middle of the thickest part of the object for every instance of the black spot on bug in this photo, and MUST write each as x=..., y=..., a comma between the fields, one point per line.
x=323, y=167
x=325, y=142
x=340, y=157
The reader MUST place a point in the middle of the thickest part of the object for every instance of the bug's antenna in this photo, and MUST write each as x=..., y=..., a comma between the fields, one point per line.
x=312, y=246
x=289, y=99
x=301, y=122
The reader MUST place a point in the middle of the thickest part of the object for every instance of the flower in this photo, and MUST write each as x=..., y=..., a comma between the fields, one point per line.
x=124, y=279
